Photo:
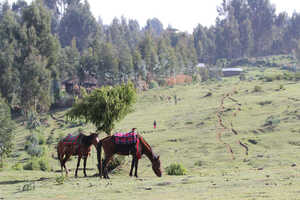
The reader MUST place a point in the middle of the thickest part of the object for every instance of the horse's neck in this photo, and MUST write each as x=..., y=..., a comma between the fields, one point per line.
x=147, y=149
x=86, y=140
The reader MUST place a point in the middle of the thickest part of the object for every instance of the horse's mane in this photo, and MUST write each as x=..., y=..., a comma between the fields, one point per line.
x=145, y=143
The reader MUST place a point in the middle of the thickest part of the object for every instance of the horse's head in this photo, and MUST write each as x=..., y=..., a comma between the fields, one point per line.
x=156, y=166
x=95, y=139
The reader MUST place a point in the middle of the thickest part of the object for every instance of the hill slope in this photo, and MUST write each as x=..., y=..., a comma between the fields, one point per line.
x=186, y=133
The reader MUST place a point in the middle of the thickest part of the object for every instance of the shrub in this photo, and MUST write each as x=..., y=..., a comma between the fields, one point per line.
x=297, y=76
x=42, y=139
x=281, y=87
x=162, y=82
x=153, y=84
x=44, y=164
x=50, y=140
x=17, y=167
x=272, y=121
x=115, y=162
x=34, y=149
x=60, y=180
x=242, y=77
x=175, y=169
x=37, y=164
x=32, y=164
x=28, y=187
x=257, y=88
x=199, y=163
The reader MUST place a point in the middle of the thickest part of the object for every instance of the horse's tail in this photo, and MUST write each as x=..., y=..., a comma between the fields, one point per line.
x=58, y=153
x=99, y=152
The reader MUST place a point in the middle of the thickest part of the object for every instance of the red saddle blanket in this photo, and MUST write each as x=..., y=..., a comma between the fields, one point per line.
x=70, y=139
x=125, y=138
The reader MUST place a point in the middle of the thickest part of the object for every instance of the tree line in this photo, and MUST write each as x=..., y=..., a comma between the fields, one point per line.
x=48, y=41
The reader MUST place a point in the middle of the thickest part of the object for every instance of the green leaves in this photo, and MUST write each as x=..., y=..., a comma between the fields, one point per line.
x=106, y=106
x=6, y=129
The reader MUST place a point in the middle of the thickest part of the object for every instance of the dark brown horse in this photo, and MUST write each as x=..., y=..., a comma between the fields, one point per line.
x=110, y=148
x=79, y=145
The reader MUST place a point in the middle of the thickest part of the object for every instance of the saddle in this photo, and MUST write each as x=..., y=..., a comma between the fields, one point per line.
x=127, y=142
x=72, y=141
x=125, y=138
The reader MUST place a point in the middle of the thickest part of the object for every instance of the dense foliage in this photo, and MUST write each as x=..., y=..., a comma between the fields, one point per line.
x=105, y=106
x=50, y=41
x=6, y=130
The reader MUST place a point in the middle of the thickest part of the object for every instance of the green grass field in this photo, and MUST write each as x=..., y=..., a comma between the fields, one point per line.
x=187, y=134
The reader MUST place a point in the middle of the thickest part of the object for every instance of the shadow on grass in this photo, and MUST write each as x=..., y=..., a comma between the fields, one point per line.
x=22, y=181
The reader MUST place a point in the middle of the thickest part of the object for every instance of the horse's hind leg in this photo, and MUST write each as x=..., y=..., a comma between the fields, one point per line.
x=105, y=162
x=67, y=156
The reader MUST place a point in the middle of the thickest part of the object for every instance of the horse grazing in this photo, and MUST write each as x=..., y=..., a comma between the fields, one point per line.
x=79, y=145
x=138, y=147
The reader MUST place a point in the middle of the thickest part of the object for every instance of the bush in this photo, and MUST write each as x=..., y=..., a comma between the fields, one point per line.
x=115, y=162
x=17, y=167
x=162, y=82
x=270, y=78
x=37, y=164
x=34, y=149
x=281, y=87
x=199, y=163
x=28, y=187
x=32, y=164
x=42, y=139
x=60, y=180
x=44, y=164
x=176, y=169
x=50, y=140
x=272, y=121
x=242, y=77
x=153, y=84
x=257, y=88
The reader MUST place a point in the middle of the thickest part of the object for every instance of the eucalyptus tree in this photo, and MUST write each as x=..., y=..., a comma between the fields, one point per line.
x=7, y=126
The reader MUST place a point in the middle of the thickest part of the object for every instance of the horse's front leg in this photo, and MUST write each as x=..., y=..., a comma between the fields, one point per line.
x=136, y=166
x=78, y=163
x=84, y=165
x=132, y=165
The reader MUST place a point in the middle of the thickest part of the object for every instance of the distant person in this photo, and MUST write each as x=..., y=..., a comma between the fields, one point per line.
x=154, y=124
x=133, y=130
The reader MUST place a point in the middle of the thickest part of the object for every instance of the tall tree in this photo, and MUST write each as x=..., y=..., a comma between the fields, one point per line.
x=6, y=130
x=39, y=56
x=106, y=106
x=79, y=23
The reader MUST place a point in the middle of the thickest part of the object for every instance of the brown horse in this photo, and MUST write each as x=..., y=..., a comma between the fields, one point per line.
x=79, y=145
x=110, y=148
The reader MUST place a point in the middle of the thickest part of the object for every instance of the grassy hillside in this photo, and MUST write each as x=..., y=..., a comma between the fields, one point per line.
x=268, y=123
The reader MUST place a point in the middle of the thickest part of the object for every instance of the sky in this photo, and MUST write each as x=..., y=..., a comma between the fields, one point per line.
x=181, y=14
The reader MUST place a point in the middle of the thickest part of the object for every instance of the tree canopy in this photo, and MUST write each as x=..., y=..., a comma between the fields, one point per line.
x=6, y=130
x=105, y=106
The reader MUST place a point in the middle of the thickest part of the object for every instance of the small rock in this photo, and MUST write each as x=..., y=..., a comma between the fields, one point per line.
x=293, y=165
